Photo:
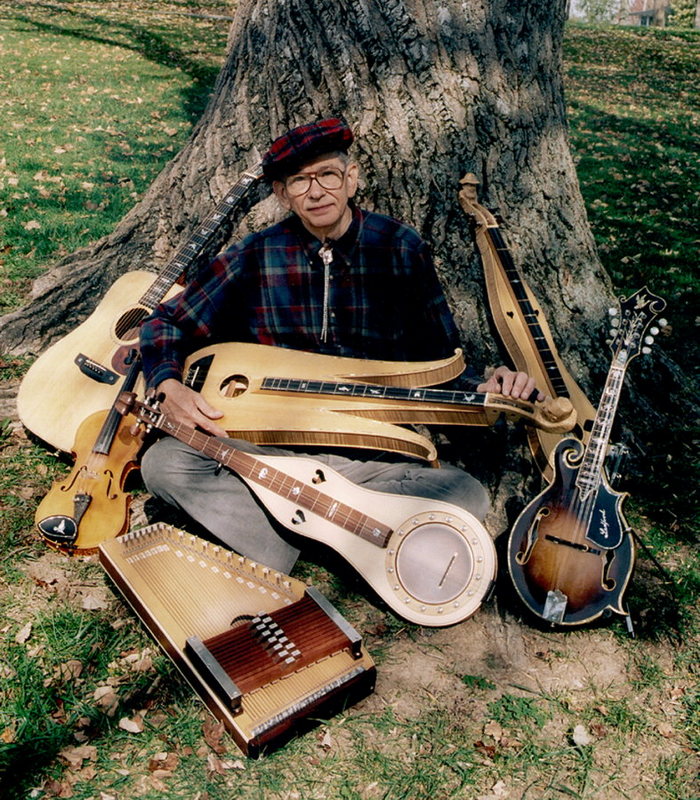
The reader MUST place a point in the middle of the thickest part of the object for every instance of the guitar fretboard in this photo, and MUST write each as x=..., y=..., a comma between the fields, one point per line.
x=366, y=390
x=530, y=315
x=282, y=484
x=191, y=250
x=113, y=419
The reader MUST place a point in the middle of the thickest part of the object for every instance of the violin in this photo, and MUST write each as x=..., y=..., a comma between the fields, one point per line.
x=90, y=504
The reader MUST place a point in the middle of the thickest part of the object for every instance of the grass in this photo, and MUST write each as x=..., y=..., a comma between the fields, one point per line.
x=115, y=90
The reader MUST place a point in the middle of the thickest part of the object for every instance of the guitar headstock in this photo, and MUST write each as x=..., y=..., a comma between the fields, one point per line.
x=632, y=331
x=470, y=204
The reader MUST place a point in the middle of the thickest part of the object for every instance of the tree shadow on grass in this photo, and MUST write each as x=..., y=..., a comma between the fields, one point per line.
x=131, y=36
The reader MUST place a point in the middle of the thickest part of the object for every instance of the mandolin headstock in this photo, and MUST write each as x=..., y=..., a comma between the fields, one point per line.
x=632, y=332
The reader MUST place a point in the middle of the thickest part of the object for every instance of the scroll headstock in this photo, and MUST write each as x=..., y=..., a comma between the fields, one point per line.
x=470, y=204
x=632, y=330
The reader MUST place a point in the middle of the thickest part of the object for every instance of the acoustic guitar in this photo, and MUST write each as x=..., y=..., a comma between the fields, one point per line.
x=570, y=554
x=523, y=329
x=89, y=364
x=343, y=401
x=431, y=562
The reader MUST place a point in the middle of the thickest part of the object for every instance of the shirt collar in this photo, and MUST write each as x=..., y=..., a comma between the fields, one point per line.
x=342, y=247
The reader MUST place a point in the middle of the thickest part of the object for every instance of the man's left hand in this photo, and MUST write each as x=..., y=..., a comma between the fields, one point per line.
x=511, y=384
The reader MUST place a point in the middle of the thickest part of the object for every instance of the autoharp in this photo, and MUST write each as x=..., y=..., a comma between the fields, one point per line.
x=262, y=650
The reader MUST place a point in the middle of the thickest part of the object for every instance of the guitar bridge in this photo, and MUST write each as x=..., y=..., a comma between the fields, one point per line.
x=95, y=371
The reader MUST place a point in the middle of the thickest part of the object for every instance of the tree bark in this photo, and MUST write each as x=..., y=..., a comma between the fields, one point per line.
x=433, y=89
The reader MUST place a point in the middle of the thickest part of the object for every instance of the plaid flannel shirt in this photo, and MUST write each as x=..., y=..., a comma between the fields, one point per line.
x=381, y=295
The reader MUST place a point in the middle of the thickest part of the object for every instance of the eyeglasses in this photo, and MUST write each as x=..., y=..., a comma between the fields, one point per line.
x=327, y=178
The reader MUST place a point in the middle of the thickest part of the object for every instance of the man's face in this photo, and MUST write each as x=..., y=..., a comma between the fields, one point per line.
x=323, y=211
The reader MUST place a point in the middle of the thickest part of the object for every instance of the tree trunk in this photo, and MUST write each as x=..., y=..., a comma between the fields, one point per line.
x=433, y=90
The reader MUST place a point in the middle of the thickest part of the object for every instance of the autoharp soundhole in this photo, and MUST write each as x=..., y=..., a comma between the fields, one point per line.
x=434, y=563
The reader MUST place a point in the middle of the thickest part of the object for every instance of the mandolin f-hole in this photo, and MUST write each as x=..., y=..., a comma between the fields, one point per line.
x=609, y=583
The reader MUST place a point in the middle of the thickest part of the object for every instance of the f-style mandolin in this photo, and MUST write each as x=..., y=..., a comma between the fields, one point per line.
x=570, y=553
x=431, y=562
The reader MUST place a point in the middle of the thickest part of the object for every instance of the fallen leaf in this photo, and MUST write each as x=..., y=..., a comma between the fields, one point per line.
x=106, y=699
x=70, y=670
x=24, y=633
x=133, y=725
x=214, y=764
x=581, y=736
x=32, y=225
x=8, y=735
x=326, y=741
x=228, y=764
x=494, y=730
x=75, y=756
x=95, y=599
x=213, y=735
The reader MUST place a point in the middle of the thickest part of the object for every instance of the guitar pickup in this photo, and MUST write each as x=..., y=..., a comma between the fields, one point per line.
x=94, y=370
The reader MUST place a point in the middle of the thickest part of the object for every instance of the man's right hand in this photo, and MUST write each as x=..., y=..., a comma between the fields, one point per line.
x=188, y=407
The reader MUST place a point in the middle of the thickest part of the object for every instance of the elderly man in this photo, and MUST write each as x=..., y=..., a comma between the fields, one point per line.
x=330, y=278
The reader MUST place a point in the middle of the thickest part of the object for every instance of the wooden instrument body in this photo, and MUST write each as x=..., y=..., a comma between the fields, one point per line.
x=344, y=401
x=431, y=562
x=570, y=554
x=100, y=479
x=91, y=361
x=434, y=569
x=56, y=395
x=181, y=586
x=523, y=329
x=571, y=558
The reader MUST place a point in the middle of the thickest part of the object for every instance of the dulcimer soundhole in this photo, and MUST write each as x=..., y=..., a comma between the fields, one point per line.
x=434, y=563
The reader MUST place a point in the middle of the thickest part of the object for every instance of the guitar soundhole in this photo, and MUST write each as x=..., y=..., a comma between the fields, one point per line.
x=127, y=327
x=234, y=386
x=434, y=563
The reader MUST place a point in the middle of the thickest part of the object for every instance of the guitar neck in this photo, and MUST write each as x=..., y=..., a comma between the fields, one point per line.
x=262, y=474
x=109, y=429
x=188, y=253
x=591, y=470
x=529, y=313
x=365, y=390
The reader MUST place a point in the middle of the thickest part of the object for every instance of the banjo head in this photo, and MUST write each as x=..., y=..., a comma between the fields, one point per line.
x=440, y=567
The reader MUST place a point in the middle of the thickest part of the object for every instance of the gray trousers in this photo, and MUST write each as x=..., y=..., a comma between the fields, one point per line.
x=222, y=503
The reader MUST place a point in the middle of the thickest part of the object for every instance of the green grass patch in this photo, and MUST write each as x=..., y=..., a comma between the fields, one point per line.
x=95, y=99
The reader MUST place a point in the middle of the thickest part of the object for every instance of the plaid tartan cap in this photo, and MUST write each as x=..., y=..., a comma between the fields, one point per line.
x=302, y=144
